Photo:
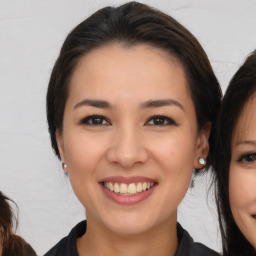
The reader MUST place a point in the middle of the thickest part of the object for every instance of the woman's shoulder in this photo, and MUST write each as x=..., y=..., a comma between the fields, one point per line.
x=202, y=250
x=187, y=246
x=67, y=245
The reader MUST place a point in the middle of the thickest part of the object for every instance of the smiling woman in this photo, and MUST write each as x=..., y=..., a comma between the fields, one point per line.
x=130, y=105
x=129, y=143
x=235, y=163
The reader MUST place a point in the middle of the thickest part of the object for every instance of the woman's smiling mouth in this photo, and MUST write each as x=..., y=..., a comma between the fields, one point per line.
x=128, y=190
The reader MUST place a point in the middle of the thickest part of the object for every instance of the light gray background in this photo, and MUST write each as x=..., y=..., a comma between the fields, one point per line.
x=31, y=34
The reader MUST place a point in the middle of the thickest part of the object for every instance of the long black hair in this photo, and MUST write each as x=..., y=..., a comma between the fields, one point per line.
x=242, y=86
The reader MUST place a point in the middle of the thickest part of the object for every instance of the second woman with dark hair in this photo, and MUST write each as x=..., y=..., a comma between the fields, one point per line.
x=235, y=163
x=130, y=104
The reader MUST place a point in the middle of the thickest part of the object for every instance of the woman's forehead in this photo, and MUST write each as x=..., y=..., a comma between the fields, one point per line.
x=246, y=125
x=115, y=69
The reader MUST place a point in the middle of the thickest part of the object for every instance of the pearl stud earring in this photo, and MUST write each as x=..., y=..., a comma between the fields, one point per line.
x=64, y=166
x=201, y=161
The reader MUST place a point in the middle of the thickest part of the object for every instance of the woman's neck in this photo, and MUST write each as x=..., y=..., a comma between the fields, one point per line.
x=98, y=241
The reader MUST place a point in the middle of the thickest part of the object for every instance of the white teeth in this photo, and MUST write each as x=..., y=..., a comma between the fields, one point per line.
x=123, y=188
x=132, y=188
x=139, y=187
x=111, y=187
x=128, y=189
x=116, y=188
x=144, y=186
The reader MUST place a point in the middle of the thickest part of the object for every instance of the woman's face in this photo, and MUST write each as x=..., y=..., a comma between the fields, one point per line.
x=130, y=137
x=242, y=177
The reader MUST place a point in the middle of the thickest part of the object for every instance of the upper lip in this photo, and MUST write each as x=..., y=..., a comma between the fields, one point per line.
x=127, y=180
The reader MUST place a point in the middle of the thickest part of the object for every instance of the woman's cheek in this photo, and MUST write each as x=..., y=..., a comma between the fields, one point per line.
x=242, y=189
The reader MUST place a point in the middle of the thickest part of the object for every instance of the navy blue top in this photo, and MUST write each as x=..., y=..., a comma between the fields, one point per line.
x=187, y=247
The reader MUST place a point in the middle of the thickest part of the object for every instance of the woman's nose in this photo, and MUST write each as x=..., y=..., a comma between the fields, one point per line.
x=127, y=149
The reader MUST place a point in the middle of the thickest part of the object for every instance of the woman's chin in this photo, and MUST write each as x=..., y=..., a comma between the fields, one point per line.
x=129, y=230
x=128, y=225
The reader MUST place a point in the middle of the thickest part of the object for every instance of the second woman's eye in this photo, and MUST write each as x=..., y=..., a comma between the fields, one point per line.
x=94, y=120
x=248, y=158
x=160, y=121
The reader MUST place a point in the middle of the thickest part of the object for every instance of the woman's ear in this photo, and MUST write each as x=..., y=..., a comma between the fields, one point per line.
x=202, y=147
x=59, y=140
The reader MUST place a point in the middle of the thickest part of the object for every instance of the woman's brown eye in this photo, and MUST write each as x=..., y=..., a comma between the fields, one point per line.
x=161, y=121
x=248, y=158
x=94, y=120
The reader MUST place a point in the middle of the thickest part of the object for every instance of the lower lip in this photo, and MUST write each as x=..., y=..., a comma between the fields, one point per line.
x=128, y=200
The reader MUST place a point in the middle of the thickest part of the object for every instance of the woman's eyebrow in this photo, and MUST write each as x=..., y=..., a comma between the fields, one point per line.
x=93, y=103
x=147, y=104
x=246, y=142
x=162, y=103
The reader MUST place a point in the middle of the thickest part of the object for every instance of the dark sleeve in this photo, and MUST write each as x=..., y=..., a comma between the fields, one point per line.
x=67, y=245
x=59, y=249
x=52, y=252
x=202, y=250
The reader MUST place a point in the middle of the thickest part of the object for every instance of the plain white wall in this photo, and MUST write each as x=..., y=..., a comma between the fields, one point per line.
x=31, y=34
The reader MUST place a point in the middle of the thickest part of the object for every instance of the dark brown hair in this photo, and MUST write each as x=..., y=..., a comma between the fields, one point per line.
x=10, y=244
x=242, y=86
x=132, y=24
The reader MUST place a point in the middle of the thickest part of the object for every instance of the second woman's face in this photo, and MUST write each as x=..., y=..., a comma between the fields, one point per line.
x=130, y=137
x=242, y=176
